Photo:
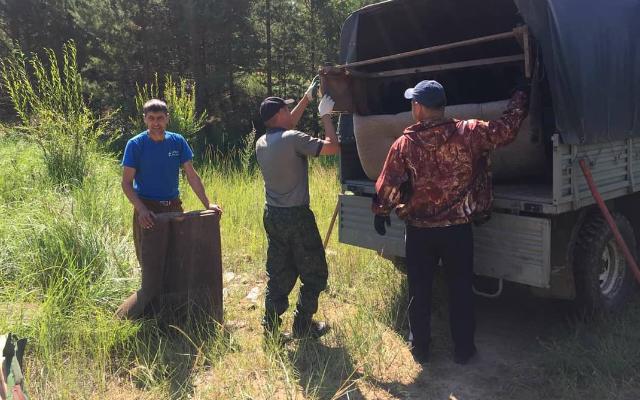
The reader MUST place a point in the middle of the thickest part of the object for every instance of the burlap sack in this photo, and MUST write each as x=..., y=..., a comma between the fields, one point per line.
x=376, y=133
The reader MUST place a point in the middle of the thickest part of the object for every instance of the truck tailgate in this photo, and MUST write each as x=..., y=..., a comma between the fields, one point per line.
x=515, y=248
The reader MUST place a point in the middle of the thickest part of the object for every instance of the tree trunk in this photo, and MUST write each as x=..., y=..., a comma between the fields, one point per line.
x=313, y=12
x=268, y=69
x=197, y=34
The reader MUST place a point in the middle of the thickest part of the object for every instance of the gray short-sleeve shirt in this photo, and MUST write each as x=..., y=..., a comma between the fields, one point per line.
x=282, y=157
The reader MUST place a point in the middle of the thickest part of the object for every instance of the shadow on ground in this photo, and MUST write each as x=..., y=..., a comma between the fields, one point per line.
x=168, y=350
x=510, y=335
x=325, y=372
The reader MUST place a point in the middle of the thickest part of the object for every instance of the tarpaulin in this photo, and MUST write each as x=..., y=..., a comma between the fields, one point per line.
x=590, y=50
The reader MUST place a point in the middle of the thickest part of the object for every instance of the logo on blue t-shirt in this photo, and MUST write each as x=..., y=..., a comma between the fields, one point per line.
x=174, y=153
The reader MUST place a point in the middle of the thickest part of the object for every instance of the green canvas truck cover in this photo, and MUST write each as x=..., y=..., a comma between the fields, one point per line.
x=590, y=50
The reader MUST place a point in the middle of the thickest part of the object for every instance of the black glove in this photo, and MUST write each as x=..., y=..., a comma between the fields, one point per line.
x=379, y=221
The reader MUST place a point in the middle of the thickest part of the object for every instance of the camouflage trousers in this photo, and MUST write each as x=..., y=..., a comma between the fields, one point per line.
x=295, y=250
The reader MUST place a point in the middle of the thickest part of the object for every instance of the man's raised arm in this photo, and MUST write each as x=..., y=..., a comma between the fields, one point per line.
x=298, y=110
x=330, y=145
x=489, y=135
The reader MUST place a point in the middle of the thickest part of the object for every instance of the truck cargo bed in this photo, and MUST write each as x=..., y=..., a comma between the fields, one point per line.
x=615, y=167
x=537, y=196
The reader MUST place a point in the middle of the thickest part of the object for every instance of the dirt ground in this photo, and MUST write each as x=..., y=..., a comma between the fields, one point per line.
x=509, y=337
x=512, y=336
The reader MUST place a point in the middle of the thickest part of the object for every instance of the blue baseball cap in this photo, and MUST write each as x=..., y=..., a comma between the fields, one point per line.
x=428, y=93
x=271, y=105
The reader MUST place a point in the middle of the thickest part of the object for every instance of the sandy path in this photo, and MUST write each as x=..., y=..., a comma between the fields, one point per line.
x=508, y=340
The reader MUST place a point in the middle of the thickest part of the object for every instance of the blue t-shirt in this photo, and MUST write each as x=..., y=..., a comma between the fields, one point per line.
x=157, y=164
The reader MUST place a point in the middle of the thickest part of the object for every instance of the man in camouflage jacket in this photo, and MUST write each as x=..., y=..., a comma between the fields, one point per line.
x=436, y=177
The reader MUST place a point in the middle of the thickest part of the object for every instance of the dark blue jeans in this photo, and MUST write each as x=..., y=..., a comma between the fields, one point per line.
x=425, y=247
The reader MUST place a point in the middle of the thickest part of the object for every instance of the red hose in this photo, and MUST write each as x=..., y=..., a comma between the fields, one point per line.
x=607, y=215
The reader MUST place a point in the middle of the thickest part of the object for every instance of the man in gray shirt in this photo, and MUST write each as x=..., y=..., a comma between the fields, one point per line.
x=295, y=248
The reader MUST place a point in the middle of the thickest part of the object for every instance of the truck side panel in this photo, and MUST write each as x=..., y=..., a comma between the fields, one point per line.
x=615, y=167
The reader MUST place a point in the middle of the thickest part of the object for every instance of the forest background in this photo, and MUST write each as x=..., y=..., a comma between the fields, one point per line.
x=67, y=257
x=236, y=52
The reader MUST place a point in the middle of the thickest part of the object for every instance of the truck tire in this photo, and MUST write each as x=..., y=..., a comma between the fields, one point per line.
x=603, y=279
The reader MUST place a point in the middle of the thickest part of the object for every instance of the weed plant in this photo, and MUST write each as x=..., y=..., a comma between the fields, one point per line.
x=47, y=97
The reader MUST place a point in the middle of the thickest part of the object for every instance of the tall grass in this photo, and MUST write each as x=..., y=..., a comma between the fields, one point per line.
x=67, y=261
x=71, y=262
x=47, y=97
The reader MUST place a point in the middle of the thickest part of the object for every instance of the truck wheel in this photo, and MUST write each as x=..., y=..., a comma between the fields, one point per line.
x=603, y=280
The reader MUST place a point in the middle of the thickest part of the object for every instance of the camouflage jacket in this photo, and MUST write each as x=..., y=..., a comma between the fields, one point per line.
x=437, y=173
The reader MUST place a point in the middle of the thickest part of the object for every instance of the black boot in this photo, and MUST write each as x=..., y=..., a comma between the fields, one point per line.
x=462, y=357
x=305, y=327
x=420, y=354
x=271, y=325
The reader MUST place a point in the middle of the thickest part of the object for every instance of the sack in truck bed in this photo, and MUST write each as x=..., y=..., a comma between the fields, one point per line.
x=376, y=133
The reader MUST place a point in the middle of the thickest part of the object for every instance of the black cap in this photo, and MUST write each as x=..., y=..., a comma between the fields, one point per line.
x=271, y=105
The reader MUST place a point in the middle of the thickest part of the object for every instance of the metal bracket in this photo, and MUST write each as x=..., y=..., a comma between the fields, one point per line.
x=574, y=177
x=493, y=295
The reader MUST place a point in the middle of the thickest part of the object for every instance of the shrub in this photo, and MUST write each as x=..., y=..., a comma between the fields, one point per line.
x=248, y=152
x=49, y=102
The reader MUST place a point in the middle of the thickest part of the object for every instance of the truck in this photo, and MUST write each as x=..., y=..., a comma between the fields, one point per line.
x=582, y=58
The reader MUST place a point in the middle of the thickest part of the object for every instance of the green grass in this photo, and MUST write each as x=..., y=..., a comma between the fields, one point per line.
x=598, y=360
x=67, y=261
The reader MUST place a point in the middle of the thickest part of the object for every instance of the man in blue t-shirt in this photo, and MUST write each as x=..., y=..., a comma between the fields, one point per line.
x=151, y=167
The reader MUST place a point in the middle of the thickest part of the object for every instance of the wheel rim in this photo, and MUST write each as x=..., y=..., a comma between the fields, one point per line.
x=612, y=270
